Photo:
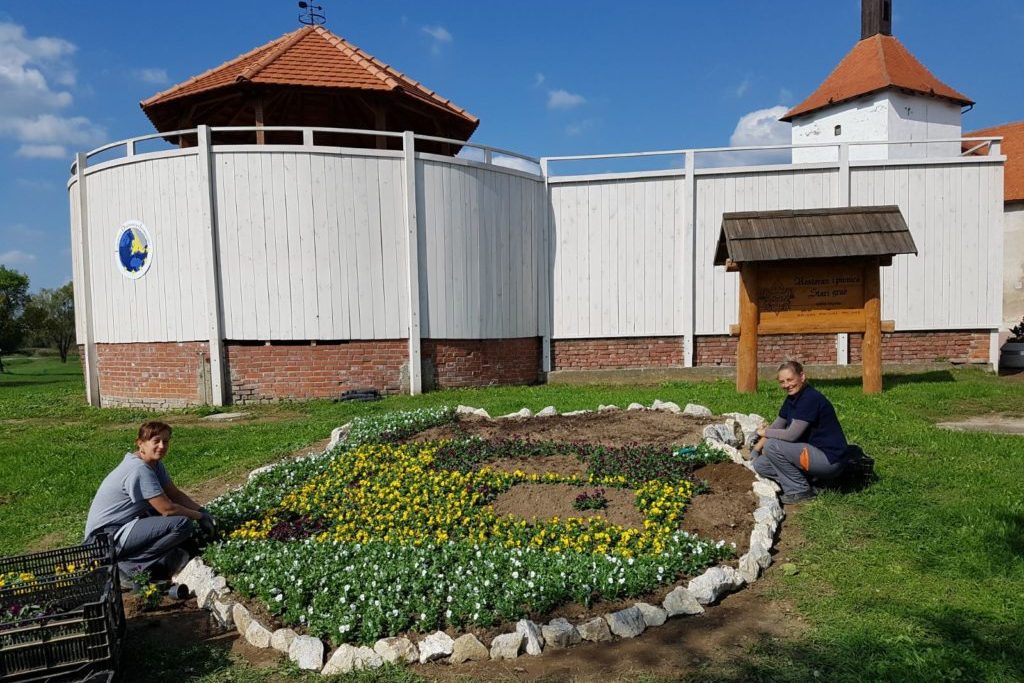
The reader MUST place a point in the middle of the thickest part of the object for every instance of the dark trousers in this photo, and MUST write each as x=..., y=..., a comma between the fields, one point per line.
x=793, y=465
x=158, y=545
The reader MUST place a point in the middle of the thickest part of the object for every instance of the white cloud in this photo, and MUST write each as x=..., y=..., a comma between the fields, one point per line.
x=439, y=35
x=16, y=257
x=741, y=89
x=538, y=80
x=151, y=76
x=754, y=129
x=43, y=152
x=34, y=75
x=563, y=99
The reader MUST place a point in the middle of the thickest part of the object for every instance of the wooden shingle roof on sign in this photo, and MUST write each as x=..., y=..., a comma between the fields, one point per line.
x=752, y=236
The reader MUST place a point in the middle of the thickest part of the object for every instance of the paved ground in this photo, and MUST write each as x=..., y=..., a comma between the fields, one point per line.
x=999, y=424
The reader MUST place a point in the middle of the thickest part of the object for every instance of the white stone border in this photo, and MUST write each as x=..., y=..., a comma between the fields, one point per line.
x=213, y=594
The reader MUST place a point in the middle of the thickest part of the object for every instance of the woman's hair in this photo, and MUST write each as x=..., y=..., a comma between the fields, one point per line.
x=150, y=429
x=793, y=366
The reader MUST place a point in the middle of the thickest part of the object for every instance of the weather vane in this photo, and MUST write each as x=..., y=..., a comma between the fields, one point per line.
x=313, y=15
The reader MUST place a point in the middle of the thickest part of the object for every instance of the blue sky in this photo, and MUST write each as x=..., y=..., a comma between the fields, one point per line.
x=545, y=78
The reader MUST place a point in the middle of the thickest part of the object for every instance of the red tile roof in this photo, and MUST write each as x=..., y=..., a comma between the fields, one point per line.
x=1013, y=149
x=310, y=56
x=874, y=64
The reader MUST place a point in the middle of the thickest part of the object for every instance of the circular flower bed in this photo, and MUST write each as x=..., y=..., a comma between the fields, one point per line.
x=379, y=537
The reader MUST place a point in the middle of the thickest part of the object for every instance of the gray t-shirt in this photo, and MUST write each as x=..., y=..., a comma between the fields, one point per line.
x=123, y=495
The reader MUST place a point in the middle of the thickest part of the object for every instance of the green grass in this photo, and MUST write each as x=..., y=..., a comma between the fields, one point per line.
x=918, y=578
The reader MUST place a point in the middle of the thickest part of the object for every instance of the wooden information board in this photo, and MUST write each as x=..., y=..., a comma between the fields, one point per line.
x=820, y=296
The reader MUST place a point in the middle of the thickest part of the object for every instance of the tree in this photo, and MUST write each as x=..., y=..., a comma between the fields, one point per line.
x=13, y=297
x=49, y=319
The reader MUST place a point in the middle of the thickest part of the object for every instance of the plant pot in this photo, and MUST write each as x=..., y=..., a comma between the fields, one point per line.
x=1012, y=355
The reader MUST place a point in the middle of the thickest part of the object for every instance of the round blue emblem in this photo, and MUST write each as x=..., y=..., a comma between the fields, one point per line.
x=134, y=249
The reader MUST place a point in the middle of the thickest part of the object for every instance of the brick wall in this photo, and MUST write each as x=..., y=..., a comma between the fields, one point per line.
x=261, y=372
x=476, y=363
x=616, y=353
x=775, y=348
x=962, y=346
x=153, y=375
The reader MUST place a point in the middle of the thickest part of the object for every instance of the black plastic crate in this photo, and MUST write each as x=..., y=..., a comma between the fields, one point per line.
x=80, y=622
x=48, y=563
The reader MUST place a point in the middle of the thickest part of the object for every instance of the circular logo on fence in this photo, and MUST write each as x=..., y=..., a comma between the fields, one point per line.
x=134, y=249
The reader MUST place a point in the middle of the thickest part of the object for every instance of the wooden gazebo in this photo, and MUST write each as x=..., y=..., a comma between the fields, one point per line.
x=814, y=270
x=312, y=78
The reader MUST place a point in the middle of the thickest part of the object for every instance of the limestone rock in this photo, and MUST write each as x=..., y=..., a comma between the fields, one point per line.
x=307, y=652
x=772, y=505
x=714, y=583
x=635, y=406
x=576, y=412
x=435, y=646
x=282, y=638
x=666, y=406
x=595, y=630
x=348, y=658
x=209, y=589
x=749, y=569
x=765, y=488
x=653, y=616
x=607, y=409
x=697, y=410
x=762, y=535
x=523, y=413
x=338, y=434
x=559, y=633
x=748, y=425
x=626, y=623
x=242, y=619
x=223, y=611
x=532, y=636
x=724, y=432
x=733, y=454
x=468, y=649
x=465, y=410
x=681, y=602
x=257, y=634
x=394, y=650
x=547, y=412
x=506, y=646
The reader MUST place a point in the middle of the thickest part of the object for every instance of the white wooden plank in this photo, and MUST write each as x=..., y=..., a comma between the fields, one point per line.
x=321, y=249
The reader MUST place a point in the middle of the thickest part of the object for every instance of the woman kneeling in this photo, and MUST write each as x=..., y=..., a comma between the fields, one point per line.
x=805, y=441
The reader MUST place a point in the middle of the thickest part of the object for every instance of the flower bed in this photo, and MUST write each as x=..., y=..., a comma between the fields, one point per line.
x=377, y=537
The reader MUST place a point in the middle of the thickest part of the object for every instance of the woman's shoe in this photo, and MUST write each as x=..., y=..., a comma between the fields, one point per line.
x=795, y=498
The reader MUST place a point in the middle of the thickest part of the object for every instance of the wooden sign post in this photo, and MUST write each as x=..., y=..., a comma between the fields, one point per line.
x=811, y=271
x=820, y=296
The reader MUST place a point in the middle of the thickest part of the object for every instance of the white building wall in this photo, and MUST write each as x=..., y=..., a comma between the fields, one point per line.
x=1013, y=264
x=916, y=117
x=888, y=115
x=862, y=120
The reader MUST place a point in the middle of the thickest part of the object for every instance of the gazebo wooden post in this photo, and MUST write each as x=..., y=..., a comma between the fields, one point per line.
x=746, y=355
x=871, y=351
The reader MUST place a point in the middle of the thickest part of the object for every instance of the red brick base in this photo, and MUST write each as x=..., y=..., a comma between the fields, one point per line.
x=961, y=346
x=261, y=373
x=807, y=348
x=177, y=374
x=477, y=363
x=154, y=375
x=616, y=353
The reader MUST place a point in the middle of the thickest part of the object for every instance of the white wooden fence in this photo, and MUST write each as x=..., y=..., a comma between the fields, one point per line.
x=305, y=242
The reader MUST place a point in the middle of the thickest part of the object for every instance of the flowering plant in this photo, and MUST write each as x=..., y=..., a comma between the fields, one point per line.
x=594, y=500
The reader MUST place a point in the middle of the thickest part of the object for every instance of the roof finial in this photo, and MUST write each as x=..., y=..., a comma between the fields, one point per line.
x=313, y=15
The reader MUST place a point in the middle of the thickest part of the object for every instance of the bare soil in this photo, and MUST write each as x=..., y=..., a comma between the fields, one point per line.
x=611, y=428
x=544, y=501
